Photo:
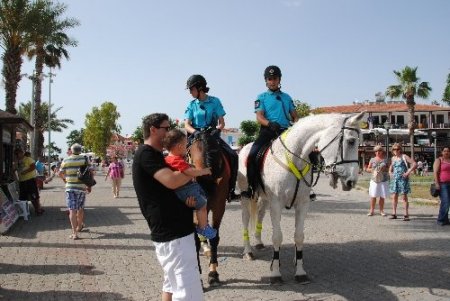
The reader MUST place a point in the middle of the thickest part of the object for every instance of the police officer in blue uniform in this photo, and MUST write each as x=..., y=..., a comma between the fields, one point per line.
x=275, y=111
x=207, y=111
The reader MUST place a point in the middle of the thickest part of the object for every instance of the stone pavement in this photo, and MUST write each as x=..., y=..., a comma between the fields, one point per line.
x=348, y=255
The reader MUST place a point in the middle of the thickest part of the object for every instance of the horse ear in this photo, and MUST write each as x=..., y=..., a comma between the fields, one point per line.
x=355, y=119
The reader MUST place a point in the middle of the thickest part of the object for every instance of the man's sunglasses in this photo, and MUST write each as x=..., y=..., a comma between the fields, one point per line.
x=163, y=127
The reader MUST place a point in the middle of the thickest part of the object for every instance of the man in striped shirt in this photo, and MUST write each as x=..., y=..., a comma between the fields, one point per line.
x=75, y=189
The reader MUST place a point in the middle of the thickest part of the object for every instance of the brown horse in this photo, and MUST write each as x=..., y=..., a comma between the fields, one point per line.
x=205, y=151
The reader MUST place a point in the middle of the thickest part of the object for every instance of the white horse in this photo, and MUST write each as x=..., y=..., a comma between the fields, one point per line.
x=287, y=177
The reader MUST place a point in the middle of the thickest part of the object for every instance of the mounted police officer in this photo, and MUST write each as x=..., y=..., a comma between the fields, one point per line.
x=275, y=111
x=206, y=111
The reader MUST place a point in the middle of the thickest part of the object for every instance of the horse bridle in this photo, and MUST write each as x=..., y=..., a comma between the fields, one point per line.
x=328, y=169
x=331, y=168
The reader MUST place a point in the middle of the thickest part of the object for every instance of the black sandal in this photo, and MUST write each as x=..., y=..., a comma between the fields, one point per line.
x=393, y=216
x=406, y=218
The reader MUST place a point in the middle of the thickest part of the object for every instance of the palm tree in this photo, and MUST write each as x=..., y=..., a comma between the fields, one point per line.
x=56, y=124
x=408, y=88
x=14, y=29
x=48, y=47
x=446, y=95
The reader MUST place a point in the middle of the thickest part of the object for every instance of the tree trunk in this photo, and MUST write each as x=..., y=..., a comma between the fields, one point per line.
x=412, y=123
x=12, y=64
x=39, y=66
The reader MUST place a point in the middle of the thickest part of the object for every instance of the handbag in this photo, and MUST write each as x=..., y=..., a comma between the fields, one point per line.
x=433, y=191
x=84, y=174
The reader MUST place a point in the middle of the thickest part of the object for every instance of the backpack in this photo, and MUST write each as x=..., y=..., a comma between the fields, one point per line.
x=84, y=174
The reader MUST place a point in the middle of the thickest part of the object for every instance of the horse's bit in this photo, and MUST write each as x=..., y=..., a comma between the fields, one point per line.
x=328, y=169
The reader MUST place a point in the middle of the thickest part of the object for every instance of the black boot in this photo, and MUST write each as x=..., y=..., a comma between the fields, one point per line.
x=233, y=196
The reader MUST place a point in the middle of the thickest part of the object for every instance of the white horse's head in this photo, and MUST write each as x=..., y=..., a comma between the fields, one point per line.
x=338, y=145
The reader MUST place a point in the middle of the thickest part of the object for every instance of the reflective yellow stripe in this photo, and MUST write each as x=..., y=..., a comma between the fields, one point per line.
x=258, y=228
x=297, y=173
x=246, y=236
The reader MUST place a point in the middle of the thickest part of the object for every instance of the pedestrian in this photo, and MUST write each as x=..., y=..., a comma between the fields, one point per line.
x=275, y=111
x=28, y=190
x=379, y=181
x=116, y=173
x=425, y=168
x=175, y=142
x=75, y=191
x=206, y=111
x=170, y=221
x=399, y=172
x=420, y=168
x=441, y=173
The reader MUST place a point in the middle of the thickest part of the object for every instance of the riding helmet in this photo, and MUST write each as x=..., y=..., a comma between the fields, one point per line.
x=197, y=81
x=272, y=71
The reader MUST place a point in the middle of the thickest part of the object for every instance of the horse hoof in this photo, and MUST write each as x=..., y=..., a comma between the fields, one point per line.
x=260, y=247
x=276, y=280
x=302, y=279
x=213, y=278
x=248, y=256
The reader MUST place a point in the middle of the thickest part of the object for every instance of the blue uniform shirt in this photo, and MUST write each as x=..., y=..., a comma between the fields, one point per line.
x=276, y=107
x=204, y=113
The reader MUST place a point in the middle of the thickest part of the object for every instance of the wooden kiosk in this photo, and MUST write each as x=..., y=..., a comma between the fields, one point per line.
x=9, y=211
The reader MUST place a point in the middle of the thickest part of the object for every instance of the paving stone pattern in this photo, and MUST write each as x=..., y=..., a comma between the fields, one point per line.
x=348, y=255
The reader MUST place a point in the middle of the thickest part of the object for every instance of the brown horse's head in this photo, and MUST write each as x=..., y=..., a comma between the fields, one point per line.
x=205, y=152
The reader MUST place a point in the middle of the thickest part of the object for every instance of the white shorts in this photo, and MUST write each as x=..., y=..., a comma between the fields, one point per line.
x=178, y=259
x=379, y=190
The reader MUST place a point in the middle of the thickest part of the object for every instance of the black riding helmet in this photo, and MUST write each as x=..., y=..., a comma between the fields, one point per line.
x=197, y=81
x=272, y=71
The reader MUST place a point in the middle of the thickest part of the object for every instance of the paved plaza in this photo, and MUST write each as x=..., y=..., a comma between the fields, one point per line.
x=348, y=255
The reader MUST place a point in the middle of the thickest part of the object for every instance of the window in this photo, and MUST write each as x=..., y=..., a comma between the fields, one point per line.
x=439, y=118
x=400, y=119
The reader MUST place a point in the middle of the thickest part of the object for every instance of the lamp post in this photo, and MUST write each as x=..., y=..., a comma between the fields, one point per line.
x=387, y=126
x=434, y=135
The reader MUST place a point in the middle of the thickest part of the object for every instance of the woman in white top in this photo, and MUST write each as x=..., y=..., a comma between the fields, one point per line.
x=379, y=187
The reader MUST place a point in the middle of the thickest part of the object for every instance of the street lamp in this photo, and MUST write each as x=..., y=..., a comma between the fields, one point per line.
x=387, y=126
x=434, y=135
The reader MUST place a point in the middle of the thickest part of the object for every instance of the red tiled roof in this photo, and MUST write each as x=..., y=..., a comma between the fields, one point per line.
x=380, y=108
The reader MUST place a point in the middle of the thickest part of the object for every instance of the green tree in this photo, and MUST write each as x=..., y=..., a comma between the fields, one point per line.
x=75, y=136
x=15, y=26
x=48, y=42
x=56, y=125
x=55, y=151
x=249, y=129
x=446, y=95
x=100, y=125
x=303, y=109
x=408, y=88
x=138, y=135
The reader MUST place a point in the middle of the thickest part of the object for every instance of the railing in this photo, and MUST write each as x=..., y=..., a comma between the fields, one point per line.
x=419, y=126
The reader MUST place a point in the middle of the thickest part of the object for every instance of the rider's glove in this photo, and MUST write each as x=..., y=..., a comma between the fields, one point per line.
x=196, y=134
x=274, y=126
x=215, y=132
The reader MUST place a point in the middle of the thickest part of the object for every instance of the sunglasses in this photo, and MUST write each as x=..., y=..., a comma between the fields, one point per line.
x=163, y=127
x=395, y=149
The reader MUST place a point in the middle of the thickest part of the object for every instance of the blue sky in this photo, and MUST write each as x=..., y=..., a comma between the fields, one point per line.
x=139, y=53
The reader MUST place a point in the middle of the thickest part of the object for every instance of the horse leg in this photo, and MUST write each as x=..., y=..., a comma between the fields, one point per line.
x=213, y=275
x=248, y=254
x=277, y=239
x=300, y=215
x=261, y=213
x=217, y=207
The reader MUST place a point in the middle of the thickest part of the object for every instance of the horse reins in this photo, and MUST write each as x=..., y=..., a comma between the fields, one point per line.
x=331, y=167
